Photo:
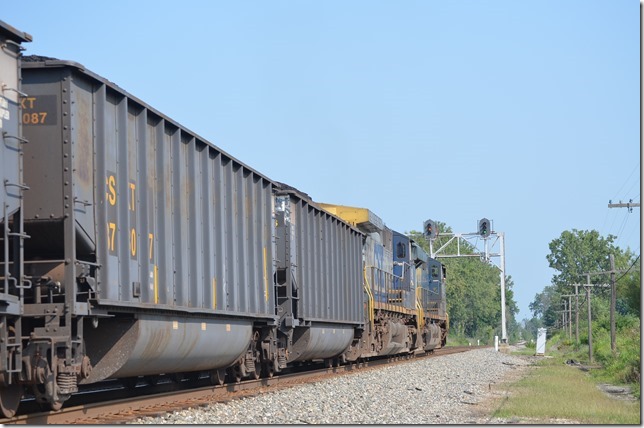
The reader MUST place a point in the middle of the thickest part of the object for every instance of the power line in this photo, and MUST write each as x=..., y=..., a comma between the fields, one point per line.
x=631, y=188
x=621, y=229
x=628, y=270
x=626, y=181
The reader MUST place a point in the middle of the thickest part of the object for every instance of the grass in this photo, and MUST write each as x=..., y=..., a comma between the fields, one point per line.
x=554, y=390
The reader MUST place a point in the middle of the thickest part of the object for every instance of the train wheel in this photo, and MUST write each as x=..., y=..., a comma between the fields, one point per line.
x=255, y=374
x=44, y=404
x=43, y=395
x=234, y=374
x=55, y=406
x=217, y=377
x=10, y=396
x=267, y=370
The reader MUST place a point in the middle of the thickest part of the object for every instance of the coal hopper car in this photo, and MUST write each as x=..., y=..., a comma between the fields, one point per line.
x=319, y=280
x=151, y=249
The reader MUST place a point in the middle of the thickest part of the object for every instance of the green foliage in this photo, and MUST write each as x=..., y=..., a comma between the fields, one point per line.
x=460, y=340
x=578, y=252
x=625, y=365
x=529, y=328
x=629, y=288
x=622, y=368
x=546, y=304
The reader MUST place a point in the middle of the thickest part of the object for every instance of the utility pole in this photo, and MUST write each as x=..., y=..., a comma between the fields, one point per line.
x=569, y=318
x=577, y=313
x=588, y=286
x=566, y=320
x=628, y=205
x=613, y=299
x=504, y=334
x=569, y=296
x=563, y=318
x=612, y=271
x=590, y=326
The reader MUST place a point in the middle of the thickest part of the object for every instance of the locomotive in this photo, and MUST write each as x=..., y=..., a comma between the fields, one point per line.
x=133, y=247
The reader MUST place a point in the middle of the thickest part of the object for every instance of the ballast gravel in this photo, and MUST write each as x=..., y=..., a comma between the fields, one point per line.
x=440, y=390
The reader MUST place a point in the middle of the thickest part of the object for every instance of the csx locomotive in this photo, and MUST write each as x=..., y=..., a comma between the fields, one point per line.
x=133, y=247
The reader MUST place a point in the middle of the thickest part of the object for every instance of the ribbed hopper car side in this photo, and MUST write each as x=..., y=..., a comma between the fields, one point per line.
x=151, y=249
x=12, y=280
x=319, y=279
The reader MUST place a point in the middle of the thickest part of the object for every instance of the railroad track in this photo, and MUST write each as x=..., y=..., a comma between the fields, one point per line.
x=174, y=398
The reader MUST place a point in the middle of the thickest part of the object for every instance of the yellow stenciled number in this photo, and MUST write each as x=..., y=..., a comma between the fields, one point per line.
x=111, y=235
x=34, y=118
x=151, y=239
x=133, y=242
x=131, y=205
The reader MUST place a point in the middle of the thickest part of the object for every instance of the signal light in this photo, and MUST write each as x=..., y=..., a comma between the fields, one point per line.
x=430, y=229
x=484, y=227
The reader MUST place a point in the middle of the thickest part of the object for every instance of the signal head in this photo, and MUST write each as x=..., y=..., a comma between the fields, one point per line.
x=430, y=230
x=485, y=227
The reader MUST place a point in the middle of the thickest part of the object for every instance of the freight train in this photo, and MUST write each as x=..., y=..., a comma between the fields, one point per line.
x=133, y=247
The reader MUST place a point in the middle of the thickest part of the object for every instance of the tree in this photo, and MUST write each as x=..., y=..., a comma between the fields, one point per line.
x=530, y=327
x=545, y=306
x=574, y=254
x=577, y=252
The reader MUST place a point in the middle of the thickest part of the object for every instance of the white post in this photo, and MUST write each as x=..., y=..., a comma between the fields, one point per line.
x=541, y=341
x=504, y=335
x=496, y=343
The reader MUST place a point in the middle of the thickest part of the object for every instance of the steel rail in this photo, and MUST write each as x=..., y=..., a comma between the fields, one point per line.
x=130, y=408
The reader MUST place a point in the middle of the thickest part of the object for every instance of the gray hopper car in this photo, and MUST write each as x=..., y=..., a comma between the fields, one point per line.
x=131, y=216
x=319, y=278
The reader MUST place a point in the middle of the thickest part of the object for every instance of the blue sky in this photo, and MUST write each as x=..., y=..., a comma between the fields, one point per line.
x=527, y=113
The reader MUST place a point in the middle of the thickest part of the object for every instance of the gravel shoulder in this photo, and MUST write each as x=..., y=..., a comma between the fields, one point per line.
x=451, y=389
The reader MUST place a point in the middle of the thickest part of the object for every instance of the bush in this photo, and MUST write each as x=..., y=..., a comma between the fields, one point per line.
x=624, y=366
